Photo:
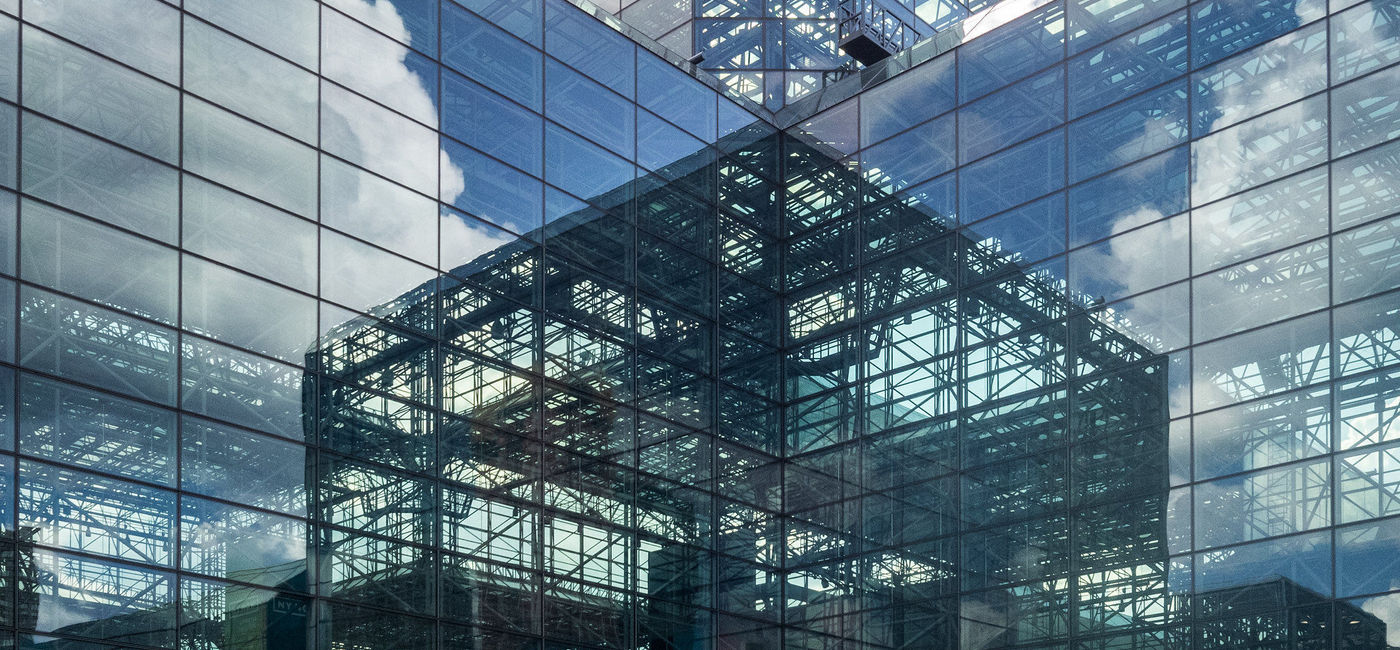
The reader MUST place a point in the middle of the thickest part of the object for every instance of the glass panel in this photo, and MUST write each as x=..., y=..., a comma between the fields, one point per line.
x=1093, y=21
x=1127, y=132
x=9, y=152
x=284, y=619
x=85, y=258
x=1262, y=433
x=675, y=96
x=1264, y=362
x=1366, y=260
x=241, y=232
x=243, y=467
x=500, y=195
x=229, y=542
x=247, y=80
x=377, y=67
x=1128, y=65
x=589, y=46
x=1132, y=262
x=1364, y=38
x=1302, y=561
x=884, y=109
x=1368, y=410
x=1158, y=319
x=492, y=57
x=583, y=169
x=96, y=431
x=92, y=345
x=249, y=158
x=382, y=141
x=491, y=124
x=102, y=516
x=1008, y=116
x=1260, y=291
x=377, y=210
x=84, y=174
x=1265, y=148
x=1025, y=234
x=466, y=239
x=98, y=599
x=1366, y=557
x=141, y=33
x=992, y=60
x=519, y=17
x=1264, y=504
x=1264, y=78
x=1364, y=186
x=287, y=27
x=1367, y=334
x=373, y=281
x=235, y=386
x=99, y=96
x=920, y=153
x=411, y=22
x=1012, y=176
x=1220, y=28
x=1364, y=112
x=590, y=109
x=235, y=308
x=1271, y=217
x=1130, y=197
x=9, y=57
x=1367, y=484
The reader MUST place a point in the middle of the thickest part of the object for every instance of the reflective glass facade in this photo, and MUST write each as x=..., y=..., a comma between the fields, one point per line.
x=363, y=324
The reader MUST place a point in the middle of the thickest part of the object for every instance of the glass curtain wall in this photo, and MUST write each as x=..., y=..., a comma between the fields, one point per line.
x=475, y=324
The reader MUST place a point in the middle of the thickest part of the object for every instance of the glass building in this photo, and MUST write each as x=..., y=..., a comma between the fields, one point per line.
x=495, y=324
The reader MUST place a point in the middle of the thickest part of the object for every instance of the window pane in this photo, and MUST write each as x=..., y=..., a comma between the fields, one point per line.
x=1364, y=38
x=249, y=158
x=85, y=258
x=229, y=542
x=1012, y=176
x=498, y=61
x=96, y=346
x=590, y=110
x=99, y=96
x=491, y=123
x=84, y=174
x=884, y=109
x=1365, y=112
x=247, y=80
x=365, y=61
x=1127, y=132
x=1274, y=216
x=243, y=467
x=225, y=383
x=1127, y=198
x=287, y=27
x=96, y=431
x=249, y=235
x=380, y=140
x=1260, y=291
x=141, y=33
x=102, y=516
x=1264, y=504
x=1128, y=65
x=1132, y=262
x=1260, y=150
x=589, y=46
x=1264, y=78
x=378, y=210
x=1366, y=260
x=247, y=312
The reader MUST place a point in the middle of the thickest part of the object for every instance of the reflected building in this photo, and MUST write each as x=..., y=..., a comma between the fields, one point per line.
x=494, y=324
